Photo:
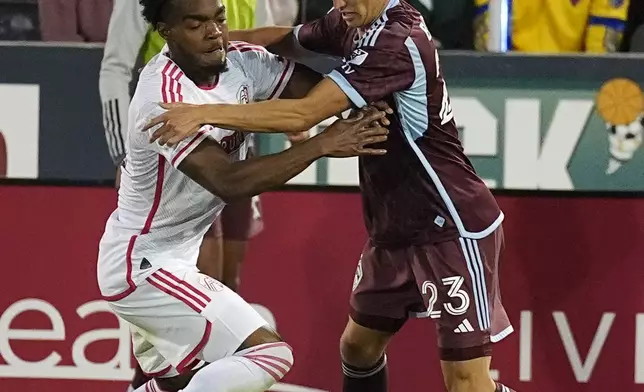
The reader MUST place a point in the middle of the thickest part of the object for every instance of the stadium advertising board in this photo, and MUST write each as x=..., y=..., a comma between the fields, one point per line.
x=536, y=138
x=19, y=130
x=576, y=304
x=527, y=122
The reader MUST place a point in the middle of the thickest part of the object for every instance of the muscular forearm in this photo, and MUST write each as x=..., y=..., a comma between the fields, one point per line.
x=263, y=36
x=236, y=180
x=251, y=177
x=282, y=115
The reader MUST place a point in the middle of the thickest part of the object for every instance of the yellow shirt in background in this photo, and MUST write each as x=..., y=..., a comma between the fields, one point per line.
x=559, y=26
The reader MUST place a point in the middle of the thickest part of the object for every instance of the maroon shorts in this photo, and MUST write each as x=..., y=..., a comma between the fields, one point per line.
x=239, y=221
x=455, y=282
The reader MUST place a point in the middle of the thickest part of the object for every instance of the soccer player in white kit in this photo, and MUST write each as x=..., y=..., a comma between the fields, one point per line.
x=189, y=331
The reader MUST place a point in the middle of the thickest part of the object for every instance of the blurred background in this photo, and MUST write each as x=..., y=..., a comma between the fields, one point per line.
x=547, y=96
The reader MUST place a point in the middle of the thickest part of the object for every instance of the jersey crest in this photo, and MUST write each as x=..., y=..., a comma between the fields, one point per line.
x=243, y=96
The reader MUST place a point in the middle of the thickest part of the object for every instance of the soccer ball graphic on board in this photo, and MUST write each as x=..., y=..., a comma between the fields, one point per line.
x=620, y=102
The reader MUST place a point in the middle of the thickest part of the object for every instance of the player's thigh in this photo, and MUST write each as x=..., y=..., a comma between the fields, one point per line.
x=189, y=317
x=155, y=365
x=459, y=280
x=151, y=361
x=384, y=290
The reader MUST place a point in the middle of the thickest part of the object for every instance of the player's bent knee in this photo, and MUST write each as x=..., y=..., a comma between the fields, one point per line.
x=264, y=335
x=273, y=360
x=361, y=346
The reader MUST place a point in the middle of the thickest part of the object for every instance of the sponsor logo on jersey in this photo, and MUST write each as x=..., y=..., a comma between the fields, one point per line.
x=617, y=3
x=232, y=143
x=358, y=57
x=242, y=95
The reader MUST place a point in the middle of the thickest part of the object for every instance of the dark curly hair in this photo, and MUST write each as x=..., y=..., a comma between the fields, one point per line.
x=154, y=10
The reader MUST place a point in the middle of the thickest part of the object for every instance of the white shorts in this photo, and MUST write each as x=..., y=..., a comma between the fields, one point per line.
x=180, y=317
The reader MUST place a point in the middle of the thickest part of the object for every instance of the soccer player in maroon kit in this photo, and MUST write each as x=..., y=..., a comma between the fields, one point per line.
x=435, y=232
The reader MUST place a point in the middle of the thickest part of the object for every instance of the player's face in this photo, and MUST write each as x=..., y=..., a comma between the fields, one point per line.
x=199, y=30
x=359, y=13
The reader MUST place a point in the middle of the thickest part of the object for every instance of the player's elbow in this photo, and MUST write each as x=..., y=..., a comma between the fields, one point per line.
x=225, y=191
x=228, y=190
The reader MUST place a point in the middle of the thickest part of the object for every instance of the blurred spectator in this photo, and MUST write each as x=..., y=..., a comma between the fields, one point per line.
x=284, y=12
x=19, y=20
x=75, y=20
x=313, y=9
x=450, y=22
x=554, y=26
x=635, y=20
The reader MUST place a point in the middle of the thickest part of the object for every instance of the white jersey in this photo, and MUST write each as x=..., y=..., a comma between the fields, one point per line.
x=162, y=215
x=125, y=38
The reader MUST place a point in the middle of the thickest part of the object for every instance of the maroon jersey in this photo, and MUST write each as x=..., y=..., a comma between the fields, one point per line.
x=425, y=189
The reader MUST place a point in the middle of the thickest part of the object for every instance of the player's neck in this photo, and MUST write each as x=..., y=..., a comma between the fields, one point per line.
x=379, y=8
x=199, y=76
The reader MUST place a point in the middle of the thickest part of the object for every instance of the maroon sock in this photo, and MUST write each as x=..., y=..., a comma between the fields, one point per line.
x=503, y=388
x=373, y=379
x=139, y=377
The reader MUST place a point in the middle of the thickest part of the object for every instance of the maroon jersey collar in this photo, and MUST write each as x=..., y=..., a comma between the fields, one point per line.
x=390, y=5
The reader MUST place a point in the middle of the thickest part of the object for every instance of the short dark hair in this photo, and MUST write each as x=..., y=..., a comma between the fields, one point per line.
x=153, y=10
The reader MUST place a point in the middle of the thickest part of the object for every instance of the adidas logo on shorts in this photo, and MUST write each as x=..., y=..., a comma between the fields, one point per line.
x=463, y=327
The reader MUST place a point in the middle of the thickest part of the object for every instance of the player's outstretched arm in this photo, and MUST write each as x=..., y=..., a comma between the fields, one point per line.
x=325, y=100
x=210, y=166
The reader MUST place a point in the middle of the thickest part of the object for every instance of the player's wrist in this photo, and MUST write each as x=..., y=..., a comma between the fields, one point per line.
x=211, y=114
x=317, y=145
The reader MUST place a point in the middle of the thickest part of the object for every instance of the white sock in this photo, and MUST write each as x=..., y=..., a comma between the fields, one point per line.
x=253, y=370
x=130, y=388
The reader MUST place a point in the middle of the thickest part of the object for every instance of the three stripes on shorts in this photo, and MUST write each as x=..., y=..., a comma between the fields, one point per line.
x=476, y=268
x=179, y=289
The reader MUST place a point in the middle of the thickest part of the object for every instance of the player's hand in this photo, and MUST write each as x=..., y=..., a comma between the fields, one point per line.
x=383, y=107
x=297, y=137
x=348, y=138
x=179, y=122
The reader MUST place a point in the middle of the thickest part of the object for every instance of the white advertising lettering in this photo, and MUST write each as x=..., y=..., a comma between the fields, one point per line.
x=115, y=369
x=19, y=128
